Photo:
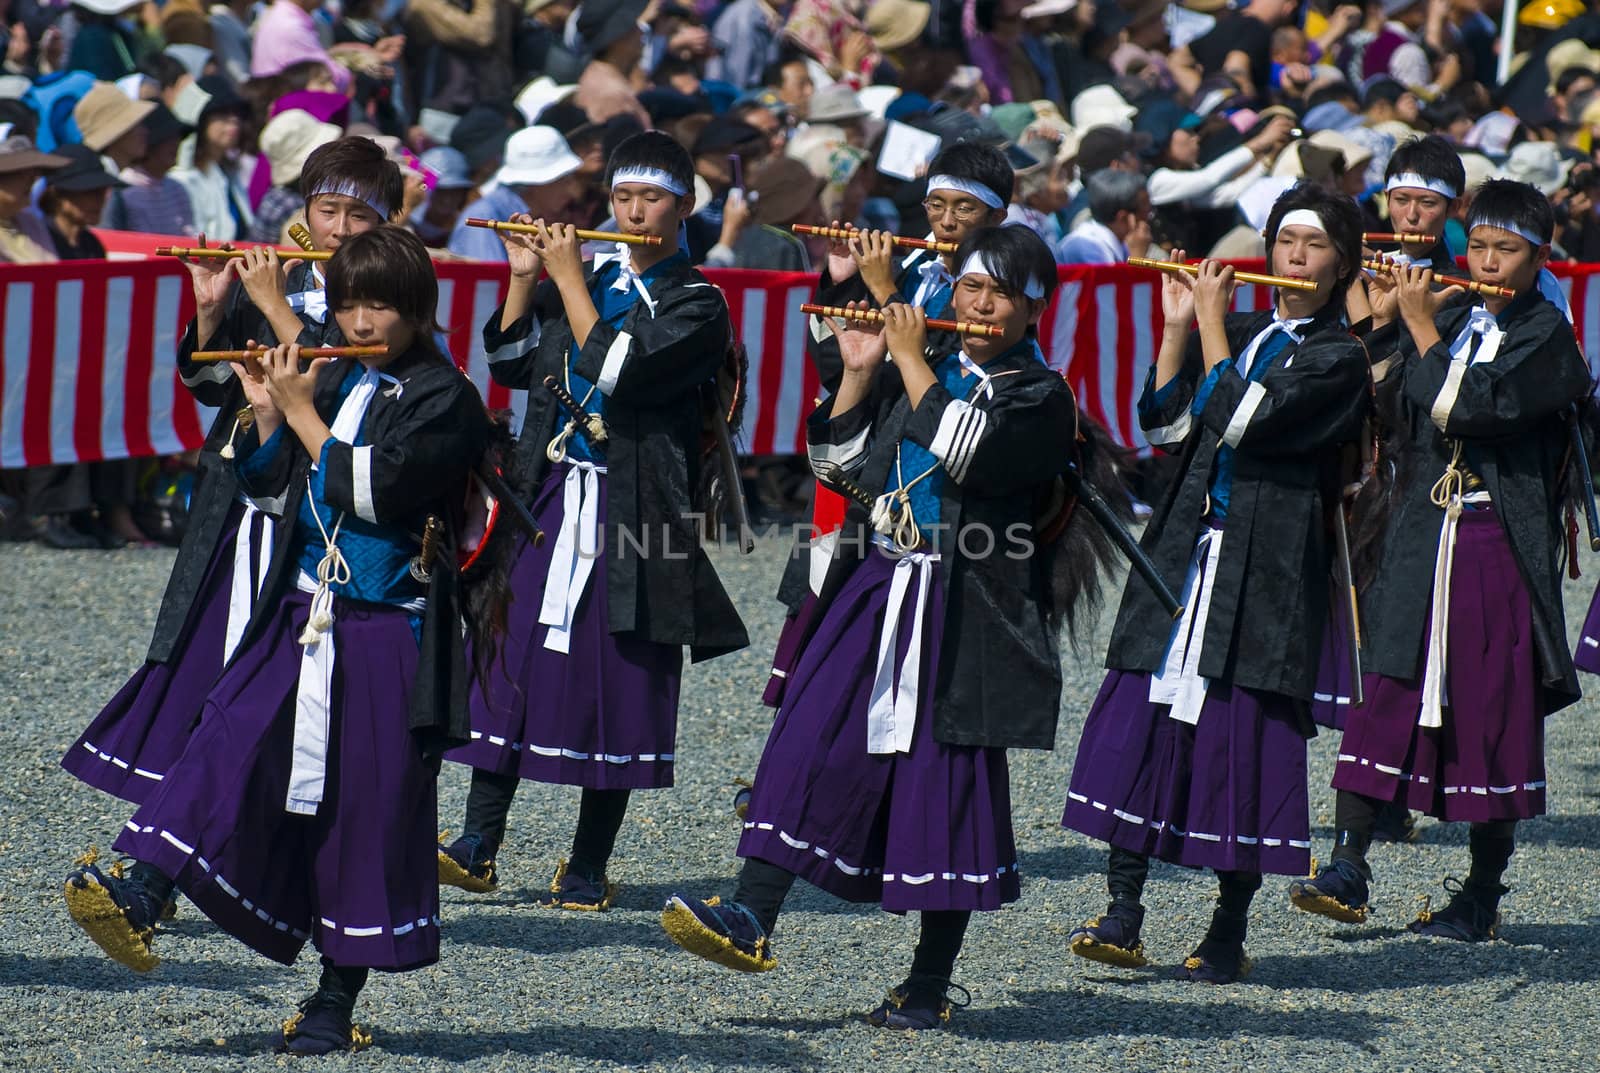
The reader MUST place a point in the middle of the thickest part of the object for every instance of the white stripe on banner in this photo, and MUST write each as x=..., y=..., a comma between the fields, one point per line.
x=1109, y=344
x=1143, y=356
x=755, y=311
x=164, y=369
x=1059, y=353
x=63, y=387
x=792, y=404
x=19, y=303
x=114, y=368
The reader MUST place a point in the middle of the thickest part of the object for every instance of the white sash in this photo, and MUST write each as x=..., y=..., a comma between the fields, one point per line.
x=892, y=709
x=242, y=594
x=1178, y=683
x=571, y=563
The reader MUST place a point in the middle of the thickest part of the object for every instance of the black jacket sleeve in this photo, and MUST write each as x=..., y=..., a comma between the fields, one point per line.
x=1312, y=400
x=656, y=359
x=1529, y=379
x=512, y=351
x=1015, y=441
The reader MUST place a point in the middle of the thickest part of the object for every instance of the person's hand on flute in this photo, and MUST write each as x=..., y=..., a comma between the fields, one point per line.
x=209, y=278
x=291, y=391
x=906, y=328
x=862, y=347
x=841, y=262
x=265, y=280
x=1420, y=303
x=563, y=259
x=874, y=252
x=253, y=378
x=1177, y=310
x=1213, y=293
x=522, y=254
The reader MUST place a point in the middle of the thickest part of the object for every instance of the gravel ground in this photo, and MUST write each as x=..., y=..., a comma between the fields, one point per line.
x=522, y=988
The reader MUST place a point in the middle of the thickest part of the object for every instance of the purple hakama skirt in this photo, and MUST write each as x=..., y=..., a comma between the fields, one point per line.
x=1487, y=760
x=1331, y=697
x=929, y=828
x=787, y=653
x=604, y=714
x=1587, y=653
x=129, y=747
x=358, y=878
x=1227, y=793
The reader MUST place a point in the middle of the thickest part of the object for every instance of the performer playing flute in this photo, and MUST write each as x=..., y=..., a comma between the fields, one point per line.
x=1467, y=652
x=1194, y=750
x=884, y=778
x=303, y=805
x=221, y=564
x=585, y=690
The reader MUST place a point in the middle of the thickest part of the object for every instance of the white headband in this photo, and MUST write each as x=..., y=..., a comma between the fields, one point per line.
x=1302, y=218
x=1412, y=180
x=345, y=188
x=966, y=186
x=652, y=176
x=981, y=264
x=1507, y=225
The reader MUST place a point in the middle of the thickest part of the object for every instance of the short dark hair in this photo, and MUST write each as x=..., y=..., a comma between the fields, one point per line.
x=1338, y=91
x=391, y=265
x=1570, y=75
x=1504, y=201
x=653, y=149
x=359, y=165
x=1382, y=89
x=981, y=164
x=1341, y=219
x=163, y=69
x=1430, y=157
x=1111, y=191
x=1018, y=252
x=772, y=73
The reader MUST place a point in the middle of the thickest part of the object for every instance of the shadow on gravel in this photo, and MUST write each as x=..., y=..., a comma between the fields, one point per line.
x=549, y=931
x=1069, y=1016
x=1550, y=953
x=624, y=1046
x=1062, y=862
x=99, y=974
x=1582, y=831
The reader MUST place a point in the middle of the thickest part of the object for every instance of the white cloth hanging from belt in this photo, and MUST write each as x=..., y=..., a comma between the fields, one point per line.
x=933, y=275
x=892, y=706
x=572, y=560
x=314, y=689
x=1277, y=324
x=252, y=554
x=1178, y=682
x=628, y=278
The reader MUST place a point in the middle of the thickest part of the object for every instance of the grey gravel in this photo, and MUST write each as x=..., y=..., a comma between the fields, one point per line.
x=524, y=988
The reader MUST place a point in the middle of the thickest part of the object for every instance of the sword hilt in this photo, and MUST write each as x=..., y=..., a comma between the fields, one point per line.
x=421, y=564
x=834, y=474
x=594, y=426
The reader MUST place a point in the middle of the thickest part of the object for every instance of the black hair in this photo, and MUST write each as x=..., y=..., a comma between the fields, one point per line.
x=772, y=73
x=653, y=149
x=1018, y=252
x=1111, y=191
x=388, y=264
x=1570, y=75
x=1341, y=219
x=1432, y=158
x=981, y=164
x=1383, y=90
x=358, y=163
x=1507, y=201
x=1339, y=91
x=163, y=69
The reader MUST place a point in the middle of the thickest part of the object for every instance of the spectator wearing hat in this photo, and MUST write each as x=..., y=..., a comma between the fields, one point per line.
x=111, y=124
x=839, y=106
x=463, y=53
x=746, y=41
x=1119, y=223
x=755, y=229
x=74, y=198
x=722, y=141
x=538, y=177
x=24, y=238
x=287, y=139
x=208, y=164
x=539, y=43
x=104, y=44
x=611, y=32
x=434, y=222
x=153, y=201
x=286, y=35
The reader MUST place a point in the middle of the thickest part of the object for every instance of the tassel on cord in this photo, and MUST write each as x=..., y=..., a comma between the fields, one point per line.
x=331, y=570
x=242, y=420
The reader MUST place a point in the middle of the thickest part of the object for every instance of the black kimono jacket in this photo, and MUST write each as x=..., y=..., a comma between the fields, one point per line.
x=1508, y=415
x=659, y=363
x=998, y=681
x=423, y=444
x=1269, y=604
x=214, y=384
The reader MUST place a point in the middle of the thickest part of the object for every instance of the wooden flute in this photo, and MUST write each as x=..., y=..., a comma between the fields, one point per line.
x=1239, y=277
x=1398, y=236
x=216, y=251
x=309, y=353
x=872, y=316
x=587, y=236
x=1448, y=281
x=899, y=240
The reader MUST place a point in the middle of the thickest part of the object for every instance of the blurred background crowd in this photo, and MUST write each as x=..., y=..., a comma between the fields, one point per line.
x=1134, y=127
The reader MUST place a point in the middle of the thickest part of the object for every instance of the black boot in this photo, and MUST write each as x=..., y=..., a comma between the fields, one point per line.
x=323, y=1024
x=1220, y=957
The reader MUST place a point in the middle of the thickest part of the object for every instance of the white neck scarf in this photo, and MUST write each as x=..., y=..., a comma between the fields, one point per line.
x=1279, y=324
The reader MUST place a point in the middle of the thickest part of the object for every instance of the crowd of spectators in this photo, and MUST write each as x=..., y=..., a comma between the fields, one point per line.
x=1133, y=126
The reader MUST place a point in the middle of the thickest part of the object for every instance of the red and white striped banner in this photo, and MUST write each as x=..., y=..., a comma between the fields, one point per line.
x=87, y=369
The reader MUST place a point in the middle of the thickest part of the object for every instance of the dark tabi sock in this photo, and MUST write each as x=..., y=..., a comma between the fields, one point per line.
x=1353, y=818
x=1491, y=845
x=762, y=889
x=155, y=882
x=1126, y=873
x=1231, y=919
x=488, y=805
x=600, y=816
x=341, y=985
x=943, y=931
